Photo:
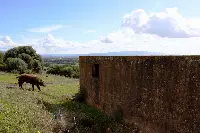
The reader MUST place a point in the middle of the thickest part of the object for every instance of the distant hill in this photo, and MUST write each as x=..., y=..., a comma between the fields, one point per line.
x=127, y=53
x=122, y=53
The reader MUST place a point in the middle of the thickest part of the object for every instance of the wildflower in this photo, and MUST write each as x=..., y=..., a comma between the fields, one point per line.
x=54, y=116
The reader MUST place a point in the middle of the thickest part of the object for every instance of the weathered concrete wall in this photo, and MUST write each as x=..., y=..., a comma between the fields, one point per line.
x=157, y=93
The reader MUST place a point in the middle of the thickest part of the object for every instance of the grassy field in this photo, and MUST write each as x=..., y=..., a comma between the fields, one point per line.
x=50, y=110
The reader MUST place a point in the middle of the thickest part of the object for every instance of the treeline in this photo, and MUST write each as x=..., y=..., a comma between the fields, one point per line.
x=71, y=71
x=21, y=59
x=24, y=59
x=61, y=60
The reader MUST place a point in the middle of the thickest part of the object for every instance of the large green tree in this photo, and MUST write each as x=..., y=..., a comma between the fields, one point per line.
x=26, y=54
x=28, y=59
x=1, y=57
x=2, y=64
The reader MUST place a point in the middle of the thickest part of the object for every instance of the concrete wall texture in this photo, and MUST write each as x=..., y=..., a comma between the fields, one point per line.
x=156, y=93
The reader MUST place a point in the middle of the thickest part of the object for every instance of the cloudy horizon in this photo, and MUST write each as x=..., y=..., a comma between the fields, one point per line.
x=166, y=30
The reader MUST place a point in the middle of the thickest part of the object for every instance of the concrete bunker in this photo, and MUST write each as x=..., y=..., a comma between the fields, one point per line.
x=157, y=93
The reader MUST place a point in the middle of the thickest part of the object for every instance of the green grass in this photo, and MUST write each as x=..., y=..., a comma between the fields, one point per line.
x=27, y=111
x=7, y=78
x=20, y=110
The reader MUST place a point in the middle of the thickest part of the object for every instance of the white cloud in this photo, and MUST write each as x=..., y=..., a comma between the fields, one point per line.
x=46, y=29
x=6, y=43
x=106, y=40
x=169, y=23
x=125, y=40
x=50, y=44
x=164, y=32
x=6, y=40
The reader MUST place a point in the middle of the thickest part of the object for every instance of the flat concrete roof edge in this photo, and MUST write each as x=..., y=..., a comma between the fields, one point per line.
x=149, y=56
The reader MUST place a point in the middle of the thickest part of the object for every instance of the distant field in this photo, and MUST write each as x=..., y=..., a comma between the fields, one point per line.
x=61, y=61
x=48, y=111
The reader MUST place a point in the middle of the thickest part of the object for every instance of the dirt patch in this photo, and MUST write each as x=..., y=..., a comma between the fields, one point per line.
x=2, y=73
x=71, y=122
x=49, y=83
x=11, y=86
x=25, y=86
x=62, y=122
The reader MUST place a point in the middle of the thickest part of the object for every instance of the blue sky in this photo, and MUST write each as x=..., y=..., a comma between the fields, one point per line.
x=80, y=22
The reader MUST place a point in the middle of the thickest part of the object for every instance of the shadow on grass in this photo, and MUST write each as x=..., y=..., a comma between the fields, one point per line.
x=86, y=116
x=15, y=86
x=88, y=119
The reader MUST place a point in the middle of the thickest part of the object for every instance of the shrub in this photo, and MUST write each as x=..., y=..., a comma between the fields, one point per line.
x=28, y=71
x=1, y=57
x=37, y=66
x=66, y=71
x=55, y=69
x=75, y=75
x=3, y=67
x=75, y=70
x=15, y=72
x=63, y=70
x=16, y=64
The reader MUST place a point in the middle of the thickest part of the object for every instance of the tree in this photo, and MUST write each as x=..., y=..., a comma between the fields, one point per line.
x=27, y=54
x=16, y=51
x=11, y=53
x=37, y=66
x=27, y=50
x=1, y=57
x=16, y=64
x=28, y=59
